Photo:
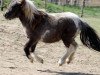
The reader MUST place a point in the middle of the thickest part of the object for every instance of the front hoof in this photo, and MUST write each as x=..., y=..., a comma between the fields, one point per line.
x=31, y=60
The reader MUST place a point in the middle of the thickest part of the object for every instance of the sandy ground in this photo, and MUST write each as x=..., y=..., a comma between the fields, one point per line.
x=14, y=62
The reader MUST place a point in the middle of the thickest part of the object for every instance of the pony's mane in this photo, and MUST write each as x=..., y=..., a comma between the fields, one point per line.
x=30, y=9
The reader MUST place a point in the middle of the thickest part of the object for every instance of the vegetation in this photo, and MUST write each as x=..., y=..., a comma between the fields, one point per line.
x=53, y=8
x=6, y=2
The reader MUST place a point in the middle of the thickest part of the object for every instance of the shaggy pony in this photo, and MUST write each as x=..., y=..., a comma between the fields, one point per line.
x=51, y=28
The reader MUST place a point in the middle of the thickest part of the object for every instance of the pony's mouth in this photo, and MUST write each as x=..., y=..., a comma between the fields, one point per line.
x=7, y=17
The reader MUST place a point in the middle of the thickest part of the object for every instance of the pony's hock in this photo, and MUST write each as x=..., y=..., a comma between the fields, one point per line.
x=51, y=28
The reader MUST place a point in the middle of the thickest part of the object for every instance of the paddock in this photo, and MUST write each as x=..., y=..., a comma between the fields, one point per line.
x=14, y=62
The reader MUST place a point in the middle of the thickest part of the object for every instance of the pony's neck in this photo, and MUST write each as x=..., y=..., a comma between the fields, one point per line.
x=31, y=16
x=25, y=21
x=38, y=19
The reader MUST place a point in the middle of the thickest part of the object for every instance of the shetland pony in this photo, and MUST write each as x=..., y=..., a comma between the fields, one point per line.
x=51, y=28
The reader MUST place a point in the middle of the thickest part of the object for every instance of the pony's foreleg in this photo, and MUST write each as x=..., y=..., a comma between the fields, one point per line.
x=27, y=49
x=68, y=54
x=34, y=56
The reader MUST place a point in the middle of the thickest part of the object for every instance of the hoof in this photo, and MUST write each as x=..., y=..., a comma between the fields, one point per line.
x=60, y=63
x=68, y=61
x=40, y=60
x=31, y=60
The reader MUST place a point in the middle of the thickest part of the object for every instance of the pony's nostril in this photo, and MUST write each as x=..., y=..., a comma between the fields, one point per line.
x=5, y=15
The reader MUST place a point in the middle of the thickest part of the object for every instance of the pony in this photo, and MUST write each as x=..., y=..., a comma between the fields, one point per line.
x=50, y=28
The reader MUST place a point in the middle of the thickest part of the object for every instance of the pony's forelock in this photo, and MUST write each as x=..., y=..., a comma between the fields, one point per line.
x=30, y=9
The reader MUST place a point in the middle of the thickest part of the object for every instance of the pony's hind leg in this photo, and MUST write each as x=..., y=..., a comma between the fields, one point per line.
x=69, y=53
x=33, y=55
x=73, y=49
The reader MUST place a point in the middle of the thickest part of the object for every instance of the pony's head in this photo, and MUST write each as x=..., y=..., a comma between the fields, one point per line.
x=16, y=7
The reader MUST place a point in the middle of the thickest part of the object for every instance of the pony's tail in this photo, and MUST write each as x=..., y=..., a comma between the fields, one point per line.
x=89, y=37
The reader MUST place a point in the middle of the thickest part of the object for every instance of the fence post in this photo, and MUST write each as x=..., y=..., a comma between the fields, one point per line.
x=82, y=8
x=1, y=4
x=45, y=4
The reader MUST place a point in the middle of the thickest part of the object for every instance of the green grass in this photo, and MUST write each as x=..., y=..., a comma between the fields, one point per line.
x=39, y=3
x=92, y=11
x=6, y=2
x=88, y=11
x=53, y=8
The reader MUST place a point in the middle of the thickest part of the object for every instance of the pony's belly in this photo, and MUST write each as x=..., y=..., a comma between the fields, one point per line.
x=50, y=40
x=50, y=37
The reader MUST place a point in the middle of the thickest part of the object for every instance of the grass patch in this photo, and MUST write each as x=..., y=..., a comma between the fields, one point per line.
x=54, y=8
x=88, y=11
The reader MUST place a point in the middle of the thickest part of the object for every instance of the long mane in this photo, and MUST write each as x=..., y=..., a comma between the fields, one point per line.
x=34, y=17
x=30, y=9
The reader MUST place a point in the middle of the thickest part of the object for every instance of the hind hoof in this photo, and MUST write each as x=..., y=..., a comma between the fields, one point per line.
x=60, y=62
x=40, y=60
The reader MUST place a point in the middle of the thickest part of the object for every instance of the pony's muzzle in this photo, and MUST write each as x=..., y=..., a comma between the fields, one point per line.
x=6, y=15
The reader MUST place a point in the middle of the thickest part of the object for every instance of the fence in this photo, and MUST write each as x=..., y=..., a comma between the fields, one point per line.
x=76, y=2
x=1, y=4
x=55, y=7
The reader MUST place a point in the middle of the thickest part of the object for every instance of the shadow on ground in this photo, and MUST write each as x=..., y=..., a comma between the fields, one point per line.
x=64, y=73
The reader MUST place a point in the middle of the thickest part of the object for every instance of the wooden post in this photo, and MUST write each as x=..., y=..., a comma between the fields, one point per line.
x=1, y=4
x=75, y=1
x=82, y=8
x=45, y=4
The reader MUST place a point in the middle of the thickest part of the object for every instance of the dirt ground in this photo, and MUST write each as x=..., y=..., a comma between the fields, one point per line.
x=14, y=62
